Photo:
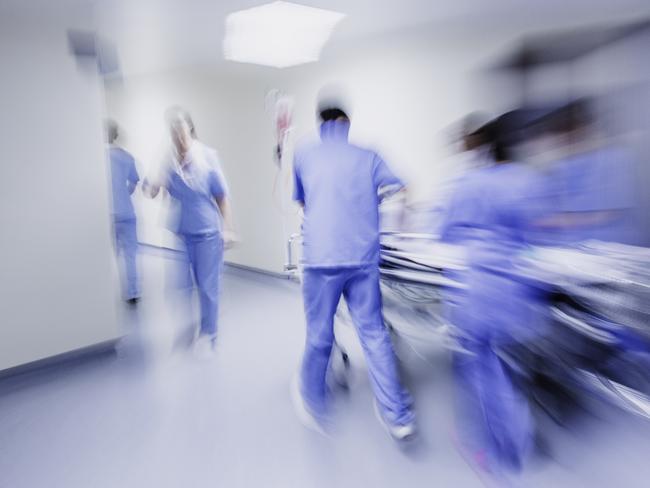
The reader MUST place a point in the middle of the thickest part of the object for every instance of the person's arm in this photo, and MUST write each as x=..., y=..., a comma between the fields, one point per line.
x=571, y=220
x=156, y=179
x=150, y=189
x=384, y=178
x=389, y=185
x=133, y=177
x=403, y=196
x=298, y=189
x=229, y=234
x=219, y=190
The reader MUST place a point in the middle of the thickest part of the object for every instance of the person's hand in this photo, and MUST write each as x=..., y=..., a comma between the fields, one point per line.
x=230, y=239
x=150, y=190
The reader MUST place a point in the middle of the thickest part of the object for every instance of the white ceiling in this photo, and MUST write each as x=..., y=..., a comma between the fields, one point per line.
x=154, y=35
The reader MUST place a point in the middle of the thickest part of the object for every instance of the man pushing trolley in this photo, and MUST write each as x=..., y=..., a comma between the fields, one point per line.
x=337, y=184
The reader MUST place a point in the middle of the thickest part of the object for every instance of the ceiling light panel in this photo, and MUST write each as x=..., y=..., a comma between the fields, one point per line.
x=278, y=34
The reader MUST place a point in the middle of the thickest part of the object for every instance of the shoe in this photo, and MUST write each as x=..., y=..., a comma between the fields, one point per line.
x=306, y=417
x=204, y=346
x=399, y=433
x=478, y=461
x=133, y=301
x=185, y=340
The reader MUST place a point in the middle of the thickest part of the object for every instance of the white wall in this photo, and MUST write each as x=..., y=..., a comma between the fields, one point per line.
x=56, y=281
x=229, y=115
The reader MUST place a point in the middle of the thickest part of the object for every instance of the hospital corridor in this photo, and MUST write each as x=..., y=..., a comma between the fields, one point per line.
x=250, y=243
x=142, y=418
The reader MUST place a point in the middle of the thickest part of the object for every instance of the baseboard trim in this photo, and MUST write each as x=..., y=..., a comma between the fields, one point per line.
x=153, y=249
x=65, y=359
x=252, y=269
x=156, y=250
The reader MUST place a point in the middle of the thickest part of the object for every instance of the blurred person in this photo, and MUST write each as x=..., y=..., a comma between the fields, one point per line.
x=337, y=184
x=473, y=142
x=472, y=154
x=489, y=215
x=588, y=183
x=193, y=178
x=469, y=153
x=459, y=212
x=124, y=179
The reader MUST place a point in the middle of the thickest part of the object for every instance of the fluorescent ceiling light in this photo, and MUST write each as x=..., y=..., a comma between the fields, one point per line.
x=278, y=34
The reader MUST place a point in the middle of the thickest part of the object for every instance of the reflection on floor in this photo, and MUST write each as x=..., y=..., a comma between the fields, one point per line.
x=150, y=417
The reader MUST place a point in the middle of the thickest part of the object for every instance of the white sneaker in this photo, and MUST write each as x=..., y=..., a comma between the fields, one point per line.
x=204, y=346
x=305, y=416
x=399, y=433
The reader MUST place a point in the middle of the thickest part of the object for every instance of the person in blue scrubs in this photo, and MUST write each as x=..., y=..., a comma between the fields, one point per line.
x=337, y=184
x=195, y=181
x=489, y=215
x=124, y=178
x=589, y=187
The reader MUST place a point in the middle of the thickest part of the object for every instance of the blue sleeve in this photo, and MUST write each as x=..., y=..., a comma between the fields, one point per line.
x=133, y=172
x=218, y=186
x=449, y=218
x=382, y=174
x=618, y=180
x=466, y=211
x=298, y=190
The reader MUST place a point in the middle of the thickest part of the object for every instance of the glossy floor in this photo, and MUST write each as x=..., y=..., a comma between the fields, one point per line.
x=155, y=416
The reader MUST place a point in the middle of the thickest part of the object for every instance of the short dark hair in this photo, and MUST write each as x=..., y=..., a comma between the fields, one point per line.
x=112, y=131
x=507, y=134
x=566, y=118
x=332, y=113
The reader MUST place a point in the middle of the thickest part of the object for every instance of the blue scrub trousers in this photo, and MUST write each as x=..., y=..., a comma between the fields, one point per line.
x=322, y=290
x=205, y=254
x=126, y=245
x=494, y=416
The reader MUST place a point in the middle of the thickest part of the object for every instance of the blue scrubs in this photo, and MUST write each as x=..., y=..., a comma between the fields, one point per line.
x=338, y=183
x=489, y=215
x=124, y=178
x=195, y=188
x=594, y=191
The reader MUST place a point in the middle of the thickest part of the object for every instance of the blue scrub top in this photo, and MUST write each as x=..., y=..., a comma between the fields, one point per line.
x=494, y=206
x=489, y=215
x=597, y=181
x=123, y=175
x=338, y=184
x=194, y=188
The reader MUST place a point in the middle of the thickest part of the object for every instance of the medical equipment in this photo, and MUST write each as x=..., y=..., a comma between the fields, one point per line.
x=597, y=308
